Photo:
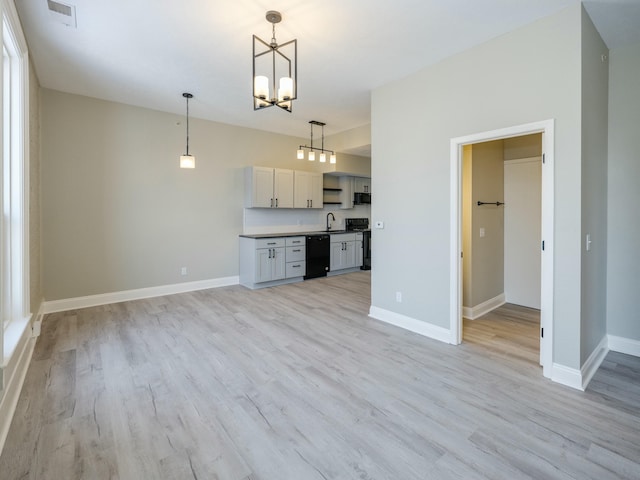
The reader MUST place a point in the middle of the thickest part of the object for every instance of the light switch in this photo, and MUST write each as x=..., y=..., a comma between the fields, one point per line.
x=482, y=232
x=588, y=242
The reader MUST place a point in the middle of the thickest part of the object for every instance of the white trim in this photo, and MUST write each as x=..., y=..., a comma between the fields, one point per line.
x=137, y=294
x=548, y=234
x=455, y=235
x=36, y=324
x=483, y=308
x=590, y=367
x=579, y=379
x=411, y=324
x=17, y=271
x=545, y=127
x=628, y=346
x=571, y=377
x=17, y=371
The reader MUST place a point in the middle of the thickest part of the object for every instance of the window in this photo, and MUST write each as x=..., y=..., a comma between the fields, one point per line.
x=14, y=235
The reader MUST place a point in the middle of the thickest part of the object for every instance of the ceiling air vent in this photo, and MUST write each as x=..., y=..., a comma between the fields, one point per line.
x=63, y=13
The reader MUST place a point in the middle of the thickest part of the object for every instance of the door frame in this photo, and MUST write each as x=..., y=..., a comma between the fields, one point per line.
x=546, y=127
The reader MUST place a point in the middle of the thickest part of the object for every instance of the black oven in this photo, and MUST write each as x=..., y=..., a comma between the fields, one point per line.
x=366, y=250
x=361, y=225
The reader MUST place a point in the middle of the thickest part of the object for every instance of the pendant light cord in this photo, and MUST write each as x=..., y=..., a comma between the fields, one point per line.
x=187, y=125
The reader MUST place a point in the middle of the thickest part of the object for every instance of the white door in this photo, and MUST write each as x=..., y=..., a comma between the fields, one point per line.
x=522, y=231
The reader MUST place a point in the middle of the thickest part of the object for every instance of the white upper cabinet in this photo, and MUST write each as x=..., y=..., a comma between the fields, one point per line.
x=267, y=187
x=362, y=185
x=283, y=188
x=346, y=192
x=307, y=190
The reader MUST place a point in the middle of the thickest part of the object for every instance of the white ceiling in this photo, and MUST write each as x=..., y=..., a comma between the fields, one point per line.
x=146, y=53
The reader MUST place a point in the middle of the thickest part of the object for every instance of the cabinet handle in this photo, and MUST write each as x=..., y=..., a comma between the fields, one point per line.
x=271, y=243
x=276, y=203
x=311, y=202
x=296, y=266
x=296, y=250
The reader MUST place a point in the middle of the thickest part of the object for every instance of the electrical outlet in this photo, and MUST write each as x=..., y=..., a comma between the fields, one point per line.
x=399, y=297
x=482, y=232
x=183, y=271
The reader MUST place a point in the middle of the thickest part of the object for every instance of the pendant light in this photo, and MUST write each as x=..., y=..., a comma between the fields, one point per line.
x=186, y=160
x=312, y=149
x=271, y=60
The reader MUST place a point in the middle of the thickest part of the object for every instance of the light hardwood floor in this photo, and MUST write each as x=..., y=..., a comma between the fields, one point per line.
x=296, y=382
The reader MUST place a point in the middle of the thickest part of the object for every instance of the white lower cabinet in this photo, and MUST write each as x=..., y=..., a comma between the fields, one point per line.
x=271, y=261
x=343, y=251
x=295, y=256
x=359, y=250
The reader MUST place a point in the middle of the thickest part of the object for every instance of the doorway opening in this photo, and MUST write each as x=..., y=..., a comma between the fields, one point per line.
x=501, y=235
x=546, y=128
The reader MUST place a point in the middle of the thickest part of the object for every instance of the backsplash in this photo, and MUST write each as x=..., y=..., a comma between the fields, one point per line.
x=287, y=220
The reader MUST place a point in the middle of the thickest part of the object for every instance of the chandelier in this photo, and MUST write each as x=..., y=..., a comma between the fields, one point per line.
x=187, y=160
x=312, y=149
x=273, y=62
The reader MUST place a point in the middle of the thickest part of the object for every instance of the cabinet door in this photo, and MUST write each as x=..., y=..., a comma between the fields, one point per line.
x=349, y=255
x=264, y=265
x=359, y=253
x=301, y=188
x=262, y=187
x=279, y=266
x=336, y=256
x=315, y=190
x=283, y=188
x=362, y=185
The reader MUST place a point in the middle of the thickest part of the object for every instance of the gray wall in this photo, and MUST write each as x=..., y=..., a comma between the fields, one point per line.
x=526, y=146
x=118, y=213
x=35, y=247
x=623, y=259
x=595, y=77
x=528, y=75
x=467, y=226
x=487, y=261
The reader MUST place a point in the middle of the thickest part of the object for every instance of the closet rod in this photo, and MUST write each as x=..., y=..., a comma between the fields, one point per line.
x=497, y=204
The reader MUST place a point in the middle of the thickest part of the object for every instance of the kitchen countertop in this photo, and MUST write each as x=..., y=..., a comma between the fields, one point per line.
x=298, y=234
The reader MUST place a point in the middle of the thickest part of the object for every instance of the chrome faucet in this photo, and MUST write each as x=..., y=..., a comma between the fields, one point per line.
x=328, y=224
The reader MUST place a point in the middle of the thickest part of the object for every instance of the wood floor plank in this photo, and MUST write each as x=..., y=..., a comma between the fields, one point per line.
x=297, y=382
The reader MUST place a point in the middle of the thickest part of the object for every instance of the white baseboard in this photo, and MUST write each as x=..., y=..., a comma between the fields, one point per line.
x=483, y=308
x=590, y=367
x=138, y=294
x=571, y=377
x=579, y=379
x=624, y=345
x=14, y=372
x=411, y=324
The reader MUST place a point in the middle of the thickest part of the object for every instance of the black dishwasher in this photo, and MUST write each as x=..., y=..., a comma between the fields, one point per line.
x=318, y=255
